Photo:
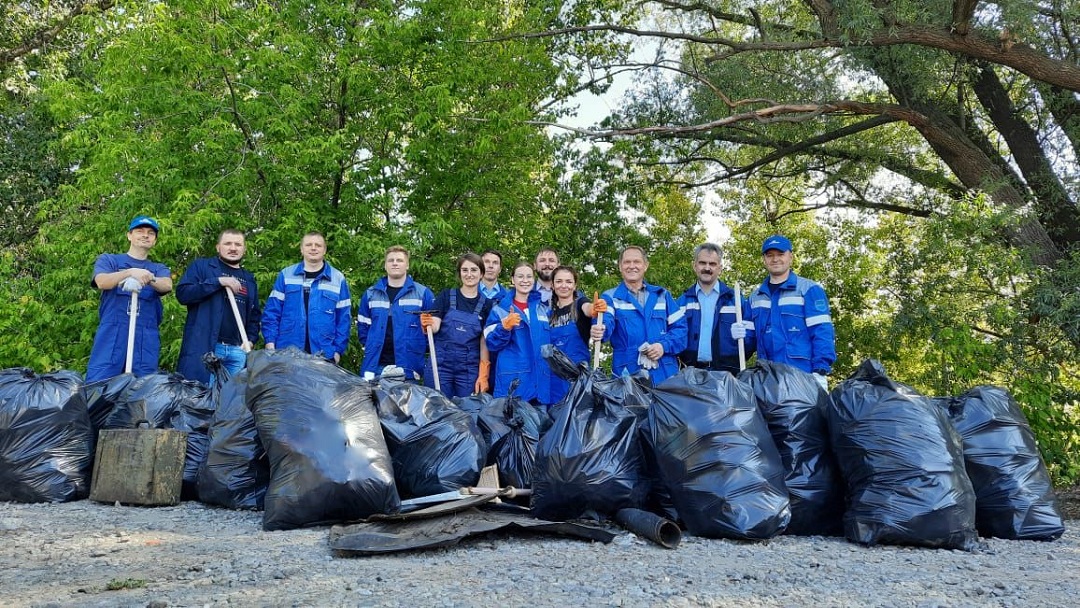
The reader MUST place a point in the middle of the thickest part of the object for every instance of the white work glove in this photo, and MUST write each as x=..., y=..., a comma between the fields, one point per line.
x=822, y=381
x=738, y=330
x=643, y=360
x=131, y=284
x=392, y=371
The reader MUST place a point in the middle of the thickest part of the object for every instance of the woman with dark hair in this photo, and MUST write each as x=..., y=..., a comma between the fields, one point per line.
x=516, y=329
x=458, y=325
x=570, y=324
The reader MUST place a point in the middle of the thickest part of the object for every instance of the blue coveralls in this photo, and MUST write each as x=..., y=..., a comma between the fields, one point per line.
x=567, y=339
x=457, y=349
x=326, y=322
x=410, y=343
x=724, y=348
x=207, y=303
x=794, y=325
x=109, y=352
x=519, y=349
x=628, y=324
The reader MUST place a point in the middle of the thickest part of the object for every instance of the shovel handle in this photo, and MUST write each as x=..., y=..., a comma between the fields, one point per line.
x=596, y=345
x=738, y=318
x=133, y=314
x=236, y=315
x=434, y=362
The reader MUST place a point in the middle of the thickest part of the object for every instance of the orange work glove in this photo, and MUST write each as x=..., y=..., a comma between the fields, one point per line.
x=426, y=321
x=599, y=307
x=511, y=321
x=482, y=379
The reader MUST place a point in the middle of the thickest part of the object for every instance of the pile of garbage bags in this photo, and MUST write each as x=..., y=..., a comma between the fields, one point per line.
x=748, y=458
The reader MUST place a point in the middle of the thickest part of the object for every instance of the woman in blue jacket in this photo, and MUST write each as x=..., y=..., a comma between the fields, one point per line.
x=516, y=329
x=458, y=326
x=570, y=324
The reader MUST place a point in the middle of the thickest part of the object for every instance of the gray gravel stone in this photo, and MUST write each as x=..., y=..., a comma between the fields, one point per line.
x=194, y=555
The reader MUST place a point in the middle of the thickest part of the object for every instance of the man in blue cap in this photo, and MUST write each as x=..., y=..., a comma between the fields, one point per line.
x=790, y=316
x=117, y=276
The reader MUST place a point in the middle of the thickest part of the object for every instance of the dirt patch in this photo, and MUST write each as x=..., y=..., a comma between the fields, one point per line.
x=1069, y=502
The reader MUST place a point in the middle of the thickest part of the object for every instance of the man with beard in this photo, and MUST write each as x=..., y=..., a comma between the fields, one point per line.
x=211, y=324
x=117, y=276
x=710, y=311
x=547, y=260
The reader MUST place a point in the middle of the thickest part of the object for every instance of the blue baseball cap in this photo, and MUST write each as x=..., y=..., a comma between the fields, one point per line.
x=778, y=242
x=144, y=220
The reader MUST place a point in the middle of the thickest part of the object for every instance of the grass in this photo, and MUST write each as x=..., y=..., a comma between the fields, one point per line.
x=127, y=583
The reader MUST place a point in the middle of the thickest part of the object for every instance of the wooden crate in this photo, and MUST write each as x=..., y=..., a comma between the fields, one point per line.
x=139, y=466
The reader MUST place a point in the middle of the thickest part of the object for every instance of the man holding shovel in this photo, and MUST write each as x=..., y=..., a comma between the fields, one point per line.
x=710, y=312
x=206, y=289
x=130, y=310
x=388, y=320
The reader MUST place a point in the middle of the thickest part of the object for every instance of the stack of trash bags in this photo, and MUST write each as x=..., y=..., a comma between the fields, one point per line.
x=746, y=458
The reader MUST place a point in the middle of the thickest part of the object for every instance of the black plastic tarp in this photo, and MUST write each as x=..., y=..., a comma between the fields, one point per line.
x=903, y=463
x=45, y=437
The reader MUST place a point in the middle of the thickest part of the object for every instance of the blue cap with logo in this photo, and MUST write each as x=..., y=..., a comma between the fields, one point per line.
x=778, y=242
x=144, y=221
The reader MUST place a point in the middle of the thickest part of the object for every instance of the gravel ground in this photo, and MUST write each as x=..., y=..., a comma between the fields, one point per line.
x=193, y=555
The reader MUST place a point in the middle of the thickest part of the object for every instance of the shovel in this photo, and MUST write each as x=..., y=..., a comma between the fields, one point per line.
x=239, y=321
x=738, y=319
x=596, y=345
x=431, y=348
x=133, y=313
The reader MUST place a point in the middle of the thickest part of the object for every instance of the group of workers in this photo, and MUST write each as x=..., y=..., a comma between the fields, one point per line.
x=476, y=328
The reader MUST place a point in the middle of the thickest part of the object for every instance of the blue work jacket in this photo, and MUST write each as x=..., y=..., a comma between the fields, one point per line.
x=725, y=349
x=628, y=324
x=207, y=303
x=410, y=343
x=109, y=351
x=793, y=325
x=328, y=317
x=519, y=349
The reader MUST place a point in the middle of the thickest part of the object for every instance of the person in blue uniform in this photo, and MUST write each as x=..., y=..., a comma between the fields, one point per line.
x=645, y=326
x=211, y=324
x=516, y=329
x=458, y=326
x=117, y=276
x=710, y=310
x=310, y=307
x=388, y=320
x=489, y=284
x=570, y=322
x=791, y=316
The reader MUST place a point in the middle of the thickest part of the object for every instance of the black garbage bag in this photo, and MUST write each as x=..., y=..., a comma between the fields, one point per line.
x=236, y=472
x=903, y=463
x=493, y=416
x=101, y=397
x=1014, y=497
x=590, y=459
x=45, y=437
x=796, y=408
x=169, y=401
x=435, y=446
x=328, y=458
x=716, y=456
x=515, y=454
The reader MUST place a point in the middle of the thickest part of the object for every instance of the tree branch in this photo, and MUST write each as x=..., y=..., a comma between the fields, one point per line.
x=46, y=34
